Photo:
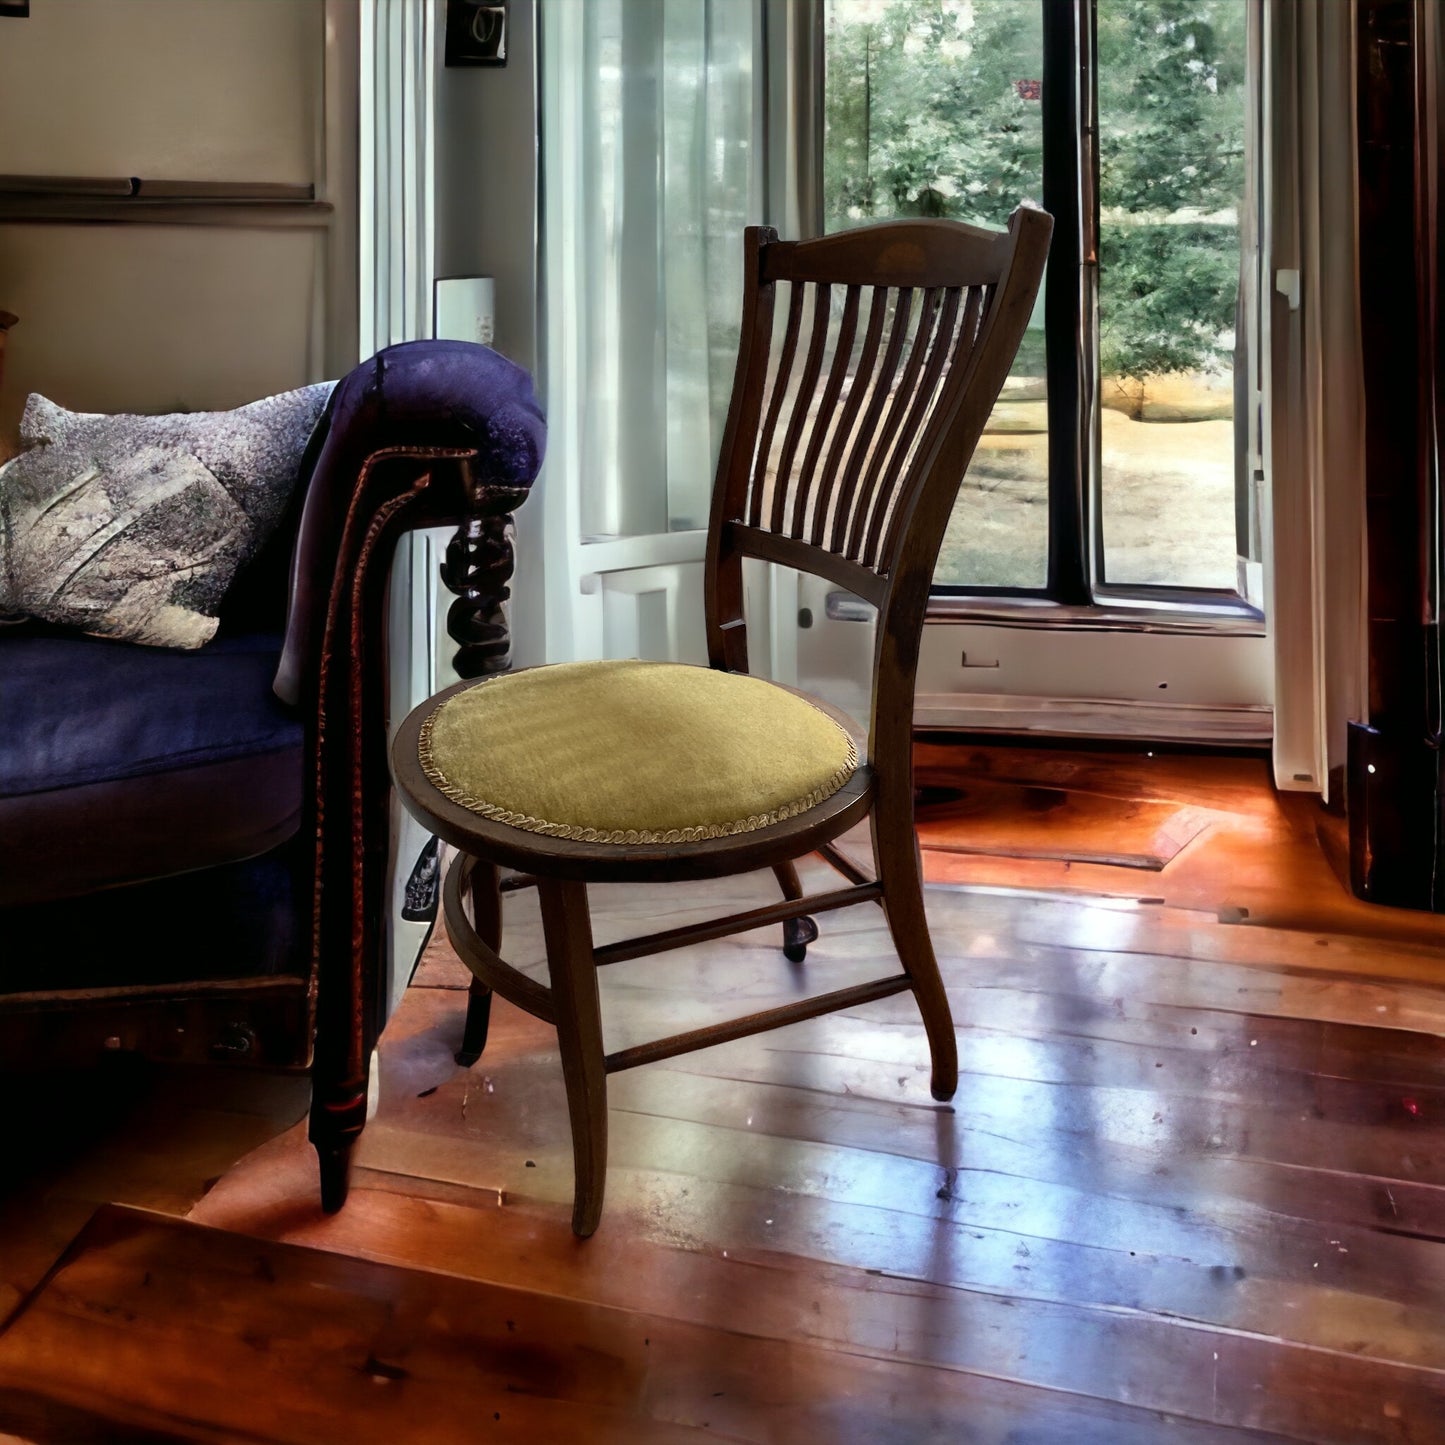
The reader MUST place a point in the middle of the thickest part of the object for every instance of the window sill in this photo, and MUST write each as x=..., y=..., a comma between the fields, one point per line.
x=1195, y=615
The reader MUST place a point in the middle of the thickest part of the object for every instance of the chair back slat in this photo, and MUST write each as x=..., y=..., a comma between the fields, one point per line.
x=777, y=390
x=962, y=342
x=825, y=420
x=845, y=430
x=879, y=481
x=879, y=386
x=804, y=408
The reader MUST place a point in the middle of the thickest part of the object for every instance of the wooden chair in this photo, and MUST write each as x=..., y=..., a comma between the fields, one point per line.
x=842, y=455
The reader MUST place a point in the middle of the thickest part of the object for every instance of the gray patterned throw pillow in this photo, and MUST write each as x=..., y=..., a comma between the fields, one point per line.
x=133, y=527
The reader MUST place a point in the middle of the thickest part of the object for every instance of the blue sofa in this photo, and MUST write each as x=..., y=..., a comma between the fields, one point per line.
x=193, y=845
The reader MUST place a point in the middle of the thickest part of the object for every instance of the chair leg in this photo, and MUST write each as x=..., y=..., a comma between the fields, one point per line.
x=895, y=848
x=486, y=899
x=474, y=1031
x=798, y=932
x=573, y=971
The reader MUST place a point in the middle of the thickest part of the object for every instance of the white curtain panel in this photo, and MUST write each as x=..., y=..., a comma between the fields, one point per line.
x=1316, y=443
x=651, y=168
x=396, y=255
x=398, y=66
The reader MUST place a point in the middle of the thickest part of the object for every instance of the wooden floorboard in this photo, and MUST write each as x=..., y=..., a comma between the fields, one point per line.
x=1191, y=1187
x=1275, y=856
x=151, y=1328
x=152, y=1137
x=1021, y=820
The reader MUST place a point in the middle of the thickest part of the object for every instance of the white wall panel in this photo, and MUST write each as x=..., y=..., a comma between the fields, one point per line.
x=653, y=612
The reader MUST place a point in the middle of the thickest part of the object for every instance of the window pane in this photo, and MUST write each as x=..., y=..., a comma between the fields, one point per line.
x=932, y=109
x=1172, y=119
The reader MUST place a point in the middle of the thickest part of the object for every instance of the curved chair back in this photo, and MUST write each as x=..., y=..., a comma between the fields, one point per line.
x=858, y=399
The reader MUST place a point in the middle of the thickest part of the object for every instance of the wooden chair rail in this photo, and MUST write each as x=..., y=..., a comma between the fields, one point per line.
x=893, y=253
x=846, y=866
x=773, y=1018
x=483, y=960
x=803, y=556
x=496, y=972
x=734, y=923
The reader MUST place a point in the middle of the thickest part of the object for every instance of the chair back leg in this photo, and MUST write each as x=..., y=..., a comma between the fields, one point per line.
x=798, y=932
x=895, y=848
x=479, y=1020
x=567, y=927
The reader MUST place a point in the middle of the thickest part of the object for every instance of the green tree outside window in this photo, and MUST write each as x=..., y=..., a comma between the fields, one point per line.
x=932, y=110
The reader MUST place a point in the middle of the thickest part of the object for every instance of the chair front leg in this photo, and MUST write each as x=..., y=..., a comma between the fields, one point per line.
x=486, y=899
x=895, y=849
x=568, y=930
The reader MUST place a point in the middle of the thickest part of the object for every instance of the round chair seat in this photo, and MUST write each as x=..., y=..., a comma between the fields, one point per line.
x=634, y=752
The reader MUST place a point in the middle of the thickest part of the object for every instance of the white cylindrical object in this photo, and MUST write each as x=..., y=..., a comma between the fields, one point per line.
x=464, y=309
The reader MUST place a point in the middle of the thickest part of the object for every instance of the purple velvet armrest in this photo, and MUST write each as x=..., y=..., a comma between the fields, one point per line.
x=429, y=433
x=421, y=397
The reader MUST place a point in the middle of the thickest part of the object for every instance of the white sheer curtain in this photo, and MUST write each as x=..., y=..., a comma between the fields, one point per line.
x=397, y=204
x=396, y=255
x=652, y=165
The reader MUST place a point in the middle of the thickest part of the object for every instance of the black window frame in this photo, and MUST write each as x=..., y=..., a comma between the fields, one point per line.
x=1076, y=577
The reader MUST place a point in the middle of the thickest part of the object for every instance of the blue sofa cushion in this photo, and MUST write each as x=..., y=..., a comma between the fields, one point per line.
x=120, y=762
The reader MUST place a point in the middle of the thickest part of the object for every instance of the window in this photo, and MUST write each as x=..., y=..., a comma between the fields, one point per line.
x=1119, y=462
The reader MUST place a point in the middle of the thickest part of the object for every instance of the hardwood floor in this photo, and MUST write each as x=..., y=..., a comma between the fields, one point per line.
x=1266, y=857
x=1192, y=1186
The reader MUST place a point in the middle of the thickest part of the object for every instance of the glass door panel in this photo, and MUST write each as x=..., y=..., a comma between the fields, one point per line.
x=932, y=108
x=1173, y=114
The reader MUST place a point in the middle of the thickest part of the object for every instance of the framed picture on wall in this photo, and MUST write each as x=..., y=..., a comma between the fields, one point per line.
x=16, y=9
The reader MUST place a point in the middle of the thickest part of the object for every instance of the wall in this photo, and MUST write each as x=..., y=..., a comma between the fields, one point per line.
x=486, y=225
x=224, y=306
x=486, y=184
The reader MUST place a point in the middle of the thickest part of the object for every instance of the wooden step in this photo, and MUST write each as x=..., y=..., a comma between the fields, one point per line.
x=156, y=1329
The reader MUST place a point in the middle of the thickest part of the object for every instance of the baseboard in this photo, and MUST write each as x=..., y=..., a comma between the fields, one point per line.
x=1094, y=717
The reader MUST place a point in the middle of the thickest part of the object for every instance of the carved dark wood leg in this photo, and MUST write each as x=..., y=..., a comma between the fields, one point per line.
x=487, y=920
x=338, y=1115
x=798, y=932
x=478, y=566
